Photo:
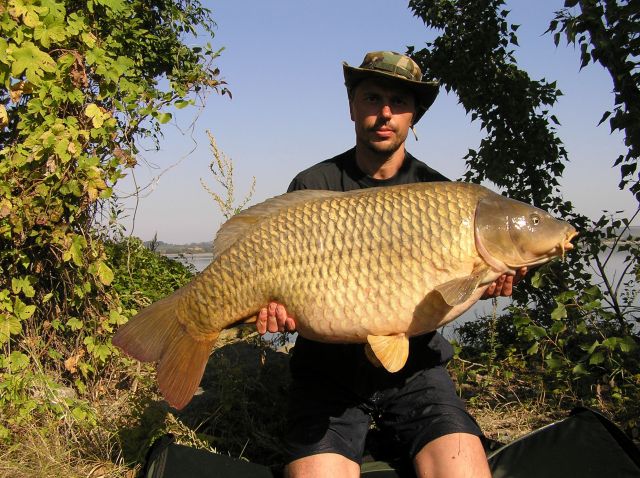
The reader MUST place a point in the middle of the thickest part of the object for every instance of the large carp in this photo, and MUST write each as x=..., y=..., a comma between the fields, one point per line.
x=372, y=266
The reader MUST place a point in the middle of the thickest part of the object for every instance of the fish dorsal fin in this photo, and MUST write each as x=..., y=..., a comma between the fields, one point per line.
x=238, y=225
x=391, y=350
x=457, y=291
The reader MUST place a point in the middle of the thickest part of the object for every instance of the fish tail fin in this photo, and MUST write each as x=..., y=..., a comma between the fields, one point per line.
x=155, y=335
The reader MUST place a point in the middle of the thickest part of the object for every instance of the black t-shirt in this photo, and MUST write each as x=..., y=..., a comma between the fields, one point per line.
x=341, y=173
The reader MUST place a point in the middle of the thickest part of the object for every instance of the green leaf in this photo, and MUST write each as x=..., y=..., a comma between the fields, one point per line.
x=74, y=252
x=79, y=414
x=627, y=344
x=21, y=310
x=102, y=352
x=50, y=33
x=610, y=342
x=553, y=362
x=580, y=369
x=180, y=104
x=116, y=318
x=105, y=274
x=591, y=348
x=536, y=331
x=560, y=312
x=18, y=361
x=164, y=117
x=75, y=324
x=533, y=349
x=558, y=327
x=28, y=58
x=582, y=328
x=596, y=358
x=114, y=5
x=23, y=285
x=9, y=325
x=537, y=281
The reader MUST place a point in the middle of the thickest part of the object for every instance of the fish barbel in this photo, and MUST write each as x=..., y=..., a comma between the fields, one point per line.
x=374, y=266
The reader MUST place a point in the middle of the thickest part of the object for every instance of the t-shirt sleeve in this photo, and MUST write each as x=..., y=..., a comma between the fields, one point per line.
x=297, y=184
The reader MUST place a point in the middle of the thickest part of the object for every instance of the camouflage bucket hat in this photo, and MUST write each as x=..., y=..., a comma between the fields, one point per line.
x=397, y=67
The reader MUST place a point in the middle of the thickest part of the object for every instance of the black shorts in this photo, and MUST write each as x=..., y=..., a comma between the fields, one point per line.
x=337, y=395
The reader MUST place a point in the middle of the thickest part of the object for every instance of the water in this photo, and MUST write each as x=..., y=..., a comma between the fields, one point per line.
x=199, y=261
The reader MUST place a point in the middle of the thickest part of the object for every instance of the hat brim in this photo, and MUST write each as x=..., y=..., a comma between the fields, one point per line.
x=425, y=91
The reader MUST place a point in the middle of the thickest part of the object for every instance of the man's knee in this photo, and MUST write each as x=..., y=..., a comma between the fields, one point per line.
x=322, y=465
x=455, y=455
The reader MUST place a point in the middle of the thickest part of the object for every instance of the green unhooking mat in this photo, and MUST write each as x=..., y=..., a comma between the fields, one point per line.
x=584, y=445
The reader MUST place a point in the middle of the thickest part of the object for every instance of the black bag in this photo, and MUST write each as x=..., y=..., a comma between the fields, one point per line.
x=585, y=445
x=167, y=459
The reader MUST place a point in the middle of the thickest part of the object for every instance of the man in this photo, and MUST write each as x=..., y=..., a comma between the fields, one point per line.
x=336, y=391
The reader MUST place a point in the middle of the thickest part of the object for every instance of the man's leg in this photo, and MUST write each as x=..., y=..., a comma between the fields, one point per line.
x=322, y=465
x=456, y=455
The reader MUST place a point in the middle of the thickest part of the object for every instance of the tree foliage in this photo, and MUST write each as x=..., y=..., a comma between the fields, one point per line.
x=608, y=33
x=81, y=83
x=576, y=330
x=473, y=56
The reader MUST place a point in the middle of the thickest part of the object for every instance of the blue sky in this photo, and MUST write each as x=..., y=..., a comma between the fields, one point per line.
x=282, y=61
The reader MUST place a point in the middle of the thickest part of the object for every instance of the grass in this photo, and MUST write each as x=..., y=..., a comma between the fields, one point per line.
x=238, y=413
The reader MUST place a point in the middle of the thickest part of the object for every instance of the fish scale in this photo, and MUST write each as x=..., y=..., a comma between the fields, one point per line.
x=391, y=226
x=371, y=266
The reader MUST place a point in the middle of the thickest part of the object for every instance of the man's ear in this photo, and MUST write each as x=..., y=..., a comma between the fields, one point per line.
x=351, y=110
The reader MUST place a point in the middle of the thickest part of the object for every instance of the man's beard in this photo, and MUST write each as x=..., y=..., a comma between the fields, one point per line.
x=382, y=148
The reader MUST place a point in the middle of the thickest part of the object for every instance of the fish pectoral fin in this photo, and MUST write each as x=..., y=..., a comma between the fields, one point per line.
x=457, y=291
x=391, y=351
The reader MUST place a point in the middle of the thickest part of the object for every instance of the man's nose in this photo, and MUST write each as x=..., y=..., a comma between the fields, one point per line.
x=385, y=111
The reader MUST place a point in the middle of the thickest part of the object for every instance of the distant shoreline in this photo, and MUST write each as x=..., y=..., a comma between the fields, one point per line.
x=165, y=248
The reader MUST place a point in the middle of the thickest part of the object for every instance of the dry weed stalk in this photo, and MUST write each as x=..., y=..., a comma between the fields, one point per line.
x=222, y=169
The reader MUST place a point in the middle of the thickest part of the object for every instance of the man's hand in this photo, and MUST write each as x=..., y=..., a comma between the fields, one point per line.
x=503, y=286
x=274, y=318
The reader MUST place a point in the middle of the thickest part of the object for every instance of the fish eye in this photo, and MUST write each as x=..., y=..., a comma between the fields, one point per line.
x=535, y=219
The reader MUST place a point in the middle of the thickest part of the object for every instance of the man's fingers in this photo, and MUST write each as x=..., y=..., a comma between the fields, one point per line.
x=507, y=286
x=489, y=292
x=290, y=324
x=272, y=324
x=274, y=318
x=261, y=323
x=520, y=273
x=281, y=317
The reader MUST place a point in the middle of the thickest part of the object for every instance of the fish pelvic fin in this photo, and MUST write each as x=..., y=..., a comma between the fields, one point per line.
x=457, y=291
x=156, y=335
x=390, y=351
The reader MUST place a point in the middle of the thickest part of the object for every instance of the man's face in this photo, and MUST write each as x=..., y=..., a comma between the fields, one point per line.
x=382, y=113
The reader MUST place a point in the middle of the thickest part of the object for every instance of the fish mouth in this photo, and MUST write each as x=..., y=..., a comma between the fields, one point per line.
x=566, y=245
x=558, y=251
